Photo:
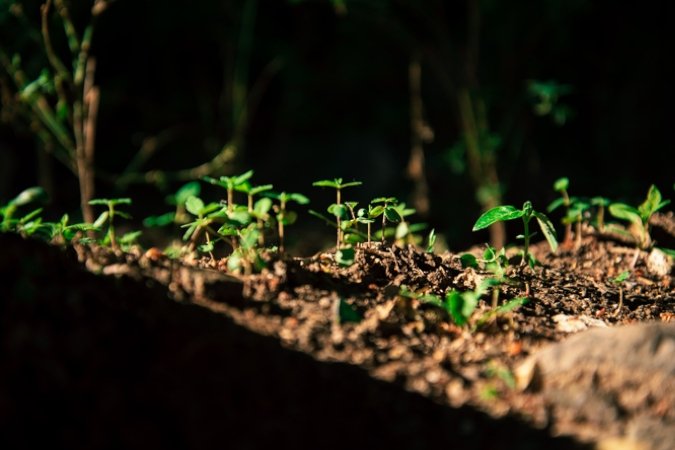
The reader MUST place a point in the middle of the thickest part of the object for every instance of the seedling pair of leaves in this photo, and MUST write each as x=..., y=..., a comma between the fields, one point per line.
x=508, y=212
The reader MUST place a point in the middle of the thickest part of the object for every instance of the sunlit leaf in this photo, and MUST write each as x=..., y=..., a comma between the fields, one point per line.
x=497, y=214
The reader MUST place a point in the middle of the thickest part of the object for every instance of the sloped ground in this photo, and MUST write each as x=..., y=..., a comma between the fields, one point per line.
x=108, y=361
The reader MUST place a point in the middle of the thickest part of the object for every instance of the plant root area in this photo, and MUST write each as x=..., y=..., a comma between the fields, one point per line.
x=108, y=350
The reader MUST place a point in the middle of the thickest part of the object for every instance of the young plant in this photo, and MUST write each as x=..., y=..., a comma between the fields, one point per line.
x=561, y=185
x=386, y=208
x=283, y=216
x=575, y=215
x=508, y=212
x=109, y=217
x=618, y=280
x=179, y=215
x=431, y=241
x=63, y=233
x=26, y=197
x=337, y=209
x=600, y=204
x=230, y=184
x=246, y=257
x=639, y=217
x=206, y=215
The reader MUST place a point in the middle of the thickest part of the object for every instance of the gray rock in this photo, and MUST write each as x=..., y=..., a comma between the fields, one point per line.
x=608, y=383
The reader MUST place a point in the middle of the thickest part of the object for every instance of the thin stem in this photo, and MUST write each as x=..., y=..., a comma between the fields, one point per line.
x=526, y=239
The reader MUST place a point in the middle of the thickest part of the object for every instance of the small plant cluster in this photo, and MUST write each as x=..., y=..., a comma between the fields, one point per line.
x=349, y=221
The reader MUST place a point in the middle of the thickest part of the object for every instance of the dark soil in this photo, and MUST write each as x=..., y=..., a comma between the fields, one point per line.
x=137, y=350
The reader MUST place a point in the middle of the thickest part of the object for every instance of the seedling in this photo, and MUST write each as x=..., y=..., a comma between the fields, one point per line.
x=431, y=241
x=246, y=256
x=508, y=212
x=600, y=203
x=639, y=217
x=283, y=216
x=230, y=184
x=8, y=211
x=251, y=192
x=618, y=280
x=179, y=215
x=406, y=232
x=338, y=185
x=109, y=217
x=63, y=233
x=206, y=215
x=385, y=207
x=561, y=185
x=575, y=215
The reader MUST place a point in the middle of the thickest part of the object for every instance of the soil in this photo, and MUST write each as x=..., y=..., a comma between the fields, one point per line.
x=129, y=350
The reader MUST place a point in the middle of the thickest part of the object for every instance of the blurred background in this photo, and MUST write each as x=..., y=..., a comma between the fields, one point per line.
x=451, y=107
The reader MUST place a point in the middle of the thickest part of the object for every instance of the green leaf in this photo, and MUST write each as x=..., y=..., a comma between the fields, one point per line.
x=376, y=211
x=258, y=189
x=385, y=200
x=623, y=276
x=460, y=306
x=227, y=230
x=28, y=195
x=548, y=230
x=345, y=256
x=336, y=183
x=194, y=205
x=262, y=207
x=347, y=313
x=130, y=238
x=392, y=215
x=298, y=198
x=561, y=184
x=339, y=211
x=191, y=227
x=558, y=202
x=239, y=217
x=652, y=204
x=497, y=214
x=288, y=218
x=625, y=212
x=159, y=221
x=431, y=240
x=599, y=201
x=512, y=305
x=191, y=189
x=98, y=223
x=241, y=179
x=468, y=260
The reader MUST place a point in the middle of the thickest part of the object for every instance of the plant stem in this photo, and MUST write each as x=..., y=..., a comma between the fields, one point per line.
x=338, y=219
x=526, y=240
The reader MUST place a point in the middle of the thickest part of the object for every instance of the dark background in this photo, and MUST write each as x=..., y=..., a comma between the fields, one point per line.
x=339, y=105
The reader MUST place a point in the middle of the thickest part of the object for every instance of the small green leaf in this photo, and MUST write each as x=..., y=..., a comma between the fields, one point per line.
x=623, y=276
x=561, y=184
x=625, y=212
x=392, y=215
x=468, y=260
x=194, y=205
x=345, y=256
x=555, y=204
x=548, y=230
x=191, y=189
x=497, y=214
x=328, y=183
x=191, y=227
x=288, y=218
x=460, y=306
x=339, y=211
x=262, y=207
x=159, y=221
x=431, y=241
x=98, y=223
x=28, y=195
x=347, y=313
x=298, y=198
x=512, y=305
